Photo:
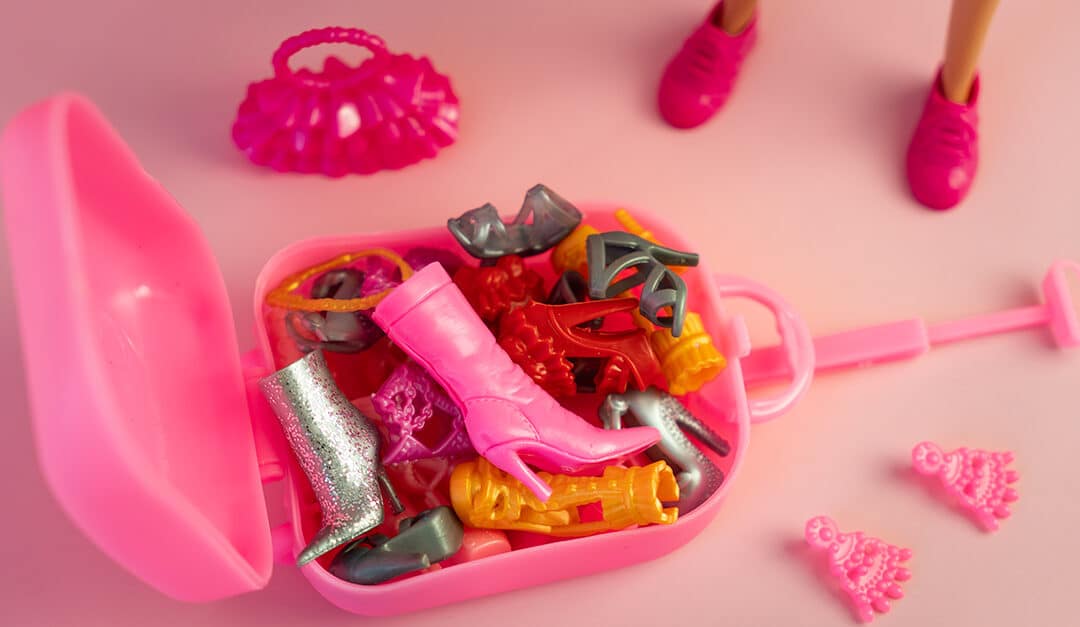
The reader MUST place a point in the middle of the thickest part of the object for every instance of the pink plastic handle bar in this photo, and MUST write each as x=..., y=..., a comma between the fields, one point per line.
x=328, y=35
x=905, y=339
x=796, y=351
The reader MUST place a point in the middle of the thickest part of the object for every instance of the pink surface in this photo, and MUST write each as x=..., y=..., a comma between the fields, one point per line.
x=798, y=184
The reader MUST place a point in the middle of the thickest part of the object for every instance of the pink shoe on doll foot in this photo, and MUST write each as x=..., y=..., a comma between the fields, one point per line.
x=944, y=151
x=699, y=79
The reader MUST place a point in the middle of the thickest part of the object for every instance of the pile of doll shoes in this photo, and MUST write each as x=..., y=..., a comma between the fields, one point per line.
x=454, y=462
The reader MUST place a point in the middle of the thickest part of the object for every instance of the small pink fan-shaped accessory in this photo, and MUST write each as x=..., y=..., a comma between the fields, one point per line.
x=868, y=569
x=978, y=479
x=389, y=112
x=407, y=402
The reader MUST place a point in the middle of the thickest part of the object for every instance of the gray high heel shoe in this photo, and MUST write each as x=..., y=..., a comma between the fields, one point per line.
x=697, y=475
x=544, y=220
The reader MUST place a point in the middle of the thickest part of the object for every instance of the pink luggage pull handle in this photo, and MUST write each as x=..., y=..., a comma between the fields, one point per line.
x=795, y=353
x=905, y=339
x=329, y=35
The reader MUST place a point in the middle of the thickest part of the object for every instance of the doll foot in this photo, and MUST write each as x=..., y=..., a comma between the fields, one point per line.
x=699, y=79
x=944, y=151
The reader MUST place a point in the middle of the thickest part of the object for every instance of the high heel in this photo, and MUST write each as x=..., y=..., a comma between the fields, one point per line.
x=611, y=255
x=338, y=449
x=507, y=415
x=544, y=220
x=698, y=476
x=543, y=339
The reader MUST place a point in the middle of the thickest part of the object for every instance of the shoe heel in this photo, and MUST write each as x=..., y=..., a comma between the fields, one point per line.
x=505, y=457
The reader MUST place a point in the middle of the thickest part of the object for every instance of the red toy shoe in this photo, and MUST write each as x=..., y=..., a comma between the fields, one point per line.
x=542, y=339
x=698, y=81
x=944, y=151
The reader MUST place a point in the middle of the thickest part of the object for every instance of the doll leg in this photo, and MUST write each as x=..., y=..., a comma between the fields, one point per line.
x=699, y=79
x=734, y=15
x=967, y=30
x=944, y=151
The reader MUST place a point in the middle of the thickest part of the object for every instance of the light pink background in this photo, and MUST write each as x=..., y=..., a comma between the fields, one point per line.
x=797, y=184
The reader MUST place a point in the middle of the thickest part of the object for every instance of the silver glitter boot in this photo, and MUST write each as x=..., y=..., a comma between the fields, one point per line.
x=337, y=447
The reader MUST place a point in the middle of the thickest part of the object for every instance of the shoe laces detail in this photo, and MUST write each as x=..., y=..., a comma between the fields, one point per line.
x=704, y=62
x=948, y=136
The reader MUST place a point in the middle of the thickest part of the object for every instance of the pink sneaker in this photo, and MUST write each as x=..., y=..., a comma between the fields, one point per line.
x=698, y=81
x=944, y=150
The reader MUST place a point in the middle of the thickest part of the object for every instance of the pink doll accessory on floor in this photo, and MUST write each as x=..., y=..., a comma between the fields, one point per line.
x=389, y=112
x=699, y=79
x=868, y=569
x=944, y=150
x=978, y=479
x=509, y=418
x=408, y=402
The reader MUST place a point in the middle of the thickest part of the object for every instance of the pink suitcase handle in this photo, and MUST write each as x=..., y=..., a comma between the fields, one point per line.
x=905, y=339
x=795, y=341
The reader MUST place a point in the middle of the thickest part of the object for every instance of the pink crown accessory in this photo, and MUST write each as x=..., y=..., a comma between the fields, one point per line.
x=868, y=569
x=978, y=480
x=389, y=112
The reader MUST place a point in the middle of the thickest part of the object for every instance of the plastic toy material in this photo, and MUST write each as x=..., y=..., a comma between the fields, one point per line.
x=570, y=254
x=905, y=339
x=569, y=289
x=360, y=374
x=423, y=255
x=337, y=448
x=697, y=475
x=391, y=111
x=122, y=416
x=495, y=290
x=944, y=151
x=699, y=79
x=508, y=417
x=690, y=360
x=426, y=539
x=978, y=480
x=634, y=227
x=610, y=255
x=869, y=570
x=544, y=220
x=541, y=338
x=407, y=401
x=287, y=294
x=339, y=332
x=485, y=497
x=424, y=482
x=478, y=544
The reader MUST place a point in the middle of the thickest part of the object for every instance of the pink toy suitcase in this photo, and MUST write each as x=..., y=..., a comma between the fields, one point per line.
x=149, y=428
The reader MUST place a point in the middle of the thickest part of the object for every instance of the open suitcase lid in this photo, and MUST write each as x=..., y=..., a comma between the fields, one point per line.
x=136, y=387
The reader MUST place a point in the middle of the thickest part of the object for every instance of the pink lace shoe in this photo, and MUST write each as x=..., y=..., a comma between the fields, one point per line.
x=698, y=81
x=944, y=150
x=979, y=480
x=868, y=569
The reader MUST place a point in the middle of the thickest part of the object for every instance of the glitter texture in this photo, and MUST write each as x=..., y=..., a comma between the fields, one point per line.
x=337, y=447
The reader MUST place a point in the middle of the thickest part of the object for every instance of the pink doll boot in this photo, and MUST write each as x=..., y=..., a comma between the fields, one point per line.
x=507, y=415
x=944, y=150
x=698, y=81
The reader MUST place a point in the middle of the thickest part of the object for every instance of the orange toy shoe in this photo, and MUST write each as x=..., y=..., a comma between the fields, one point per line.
x=485, y=497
